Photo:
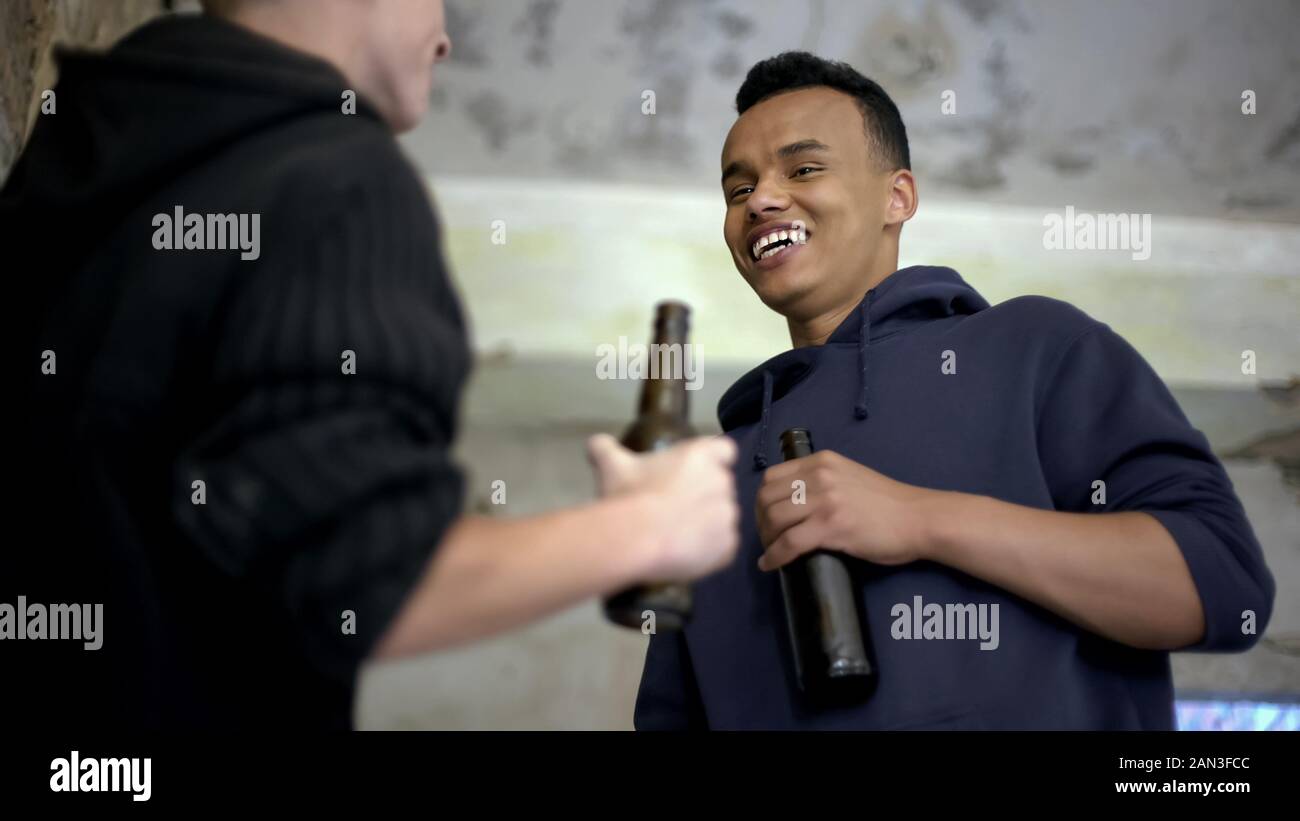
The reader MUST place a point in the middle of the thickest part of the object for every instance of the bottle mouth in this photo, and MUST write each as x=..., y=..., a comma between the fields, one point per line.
x=849, y=667
x=672, y=318
x=796, y=439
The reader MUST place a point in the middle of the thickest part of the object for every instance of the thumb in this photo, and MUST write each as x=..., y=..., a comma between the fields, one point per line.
x=609, y=458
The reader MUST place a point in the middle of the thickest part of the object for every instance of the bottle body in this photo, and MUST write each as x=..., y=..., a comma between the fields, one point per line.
x=832, y=658
x=662, y=420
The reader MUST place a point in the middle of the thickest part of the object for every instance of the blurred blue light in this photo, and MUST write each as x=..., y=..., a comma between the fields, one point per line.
x=1210, y=714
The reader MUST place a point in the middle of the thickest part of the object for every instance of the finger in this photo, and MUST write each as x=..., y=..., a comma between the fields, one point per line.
x=791, y=466
x=774, y=490
x=777, y=518
x=790, y=545
x=596, y=444
x=720, y=448
x=776, y=473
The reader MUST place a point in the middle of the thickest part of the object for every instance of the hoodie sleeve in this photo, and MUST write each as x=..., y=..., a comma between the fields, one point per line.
x=1105, y=415
x=669, y=698
x=328, y=487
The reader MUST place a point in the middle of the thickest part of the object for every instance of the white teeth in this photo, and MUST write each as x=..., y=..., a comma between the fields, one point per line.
x=795, y=237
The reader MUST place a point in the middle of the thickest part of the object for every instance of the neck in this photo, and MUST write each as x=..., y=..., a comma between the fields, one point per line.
x=323, y=30
x=817, y=328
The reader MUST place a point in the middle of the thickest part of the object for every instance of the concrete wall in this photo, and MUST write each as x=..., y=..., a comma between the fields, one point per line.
x=1113, y=104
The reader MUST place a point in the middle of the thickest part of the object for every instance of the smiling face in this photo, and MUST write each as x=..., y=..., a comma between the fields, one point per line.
x=812, y=221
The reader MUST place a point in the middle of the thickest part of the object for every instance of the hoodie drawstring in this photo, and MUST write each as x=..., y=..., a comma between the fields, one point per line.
x=864, y=357
x=760, y=457
x=860, y=410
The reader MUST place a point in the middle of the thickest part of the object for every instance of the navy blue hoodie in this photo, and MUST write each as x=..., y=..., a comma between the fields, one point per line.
x=1039, y=402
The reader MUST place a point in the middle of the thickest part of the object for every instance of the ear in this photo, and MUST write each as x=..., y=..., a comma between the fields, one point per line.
x=903, y=198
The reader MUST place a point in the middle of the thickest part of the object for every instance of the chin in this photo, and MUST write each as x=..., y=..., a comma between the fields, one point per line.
x=783, y=289
x=410, y=102
x=408, y=116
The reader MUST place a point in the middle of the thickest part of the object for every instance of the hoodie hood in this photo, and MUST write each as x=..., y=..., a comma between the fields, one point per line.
x=204, y=83
x=905, y=299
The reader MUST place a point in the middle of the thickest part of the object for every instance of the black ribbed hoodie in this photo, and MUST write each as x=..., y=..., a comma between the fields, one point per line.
x=326, y=491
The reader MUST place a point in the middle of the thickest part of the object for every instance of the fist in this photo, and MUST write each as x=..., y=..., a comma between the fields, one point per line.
x=828, y=501
x=690, y=492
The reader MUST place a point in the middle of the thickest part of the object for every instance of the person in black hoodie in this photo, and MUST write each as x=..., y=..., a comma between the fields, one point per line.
x=1018, y=461
x=241, y=362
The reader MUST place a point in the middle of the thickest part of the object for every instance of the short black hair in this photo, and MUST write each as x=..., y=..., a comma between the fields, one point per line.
x=793, y=70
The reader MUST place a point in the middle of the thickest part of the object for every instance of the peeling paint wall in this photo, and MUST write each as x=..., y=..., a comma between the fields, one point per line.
x=1106, y=105
x=28, y=31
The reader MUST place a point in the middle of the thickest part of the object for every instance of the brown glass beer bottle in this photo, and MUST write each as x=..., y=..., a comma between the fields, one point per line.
x=661, y=421
x=831, y=654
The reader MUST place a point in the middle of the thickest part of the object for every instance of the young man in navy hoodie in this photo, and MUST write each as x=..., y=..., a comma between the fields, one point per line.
x=959, y=447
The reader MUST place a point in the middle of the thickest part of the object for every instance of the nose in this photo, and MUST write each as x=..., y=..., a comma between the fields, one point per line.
x=442, y=50
x=767, y=198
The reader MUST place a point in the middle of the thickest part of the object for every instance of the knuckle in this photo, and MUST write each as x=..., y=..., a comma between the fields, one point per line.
x=838, y=520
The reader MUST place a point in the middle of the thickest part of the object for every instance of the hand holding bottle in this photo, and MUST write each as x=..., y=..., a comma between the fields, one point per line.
x=690, y=492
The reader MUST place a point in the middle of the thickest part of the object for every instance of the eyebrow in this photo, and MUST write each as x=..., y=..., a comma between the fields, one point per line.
x=800, y=147
x=784, y=151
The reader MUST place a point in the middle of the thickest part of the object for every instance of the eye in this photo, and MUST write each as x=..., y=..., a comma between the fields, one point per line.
x=800, y=171
x=744, y=189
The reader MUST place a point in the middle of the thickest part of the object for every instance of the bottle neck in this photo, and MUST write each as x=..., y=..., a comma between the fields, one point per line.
x=664, y=391
x=664, y=397
x=665, y=385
